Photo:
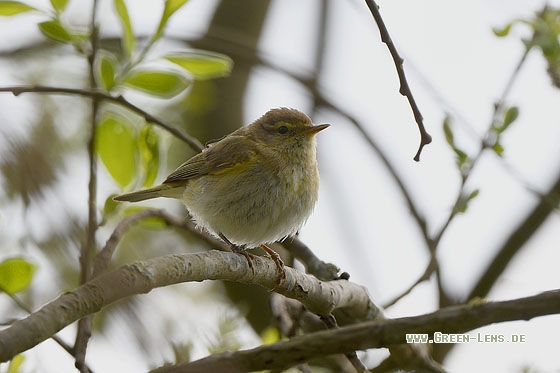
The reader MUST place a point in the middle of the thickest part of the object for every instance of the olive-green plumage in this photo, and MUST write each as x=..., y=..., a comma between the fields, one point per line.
x=255, y=186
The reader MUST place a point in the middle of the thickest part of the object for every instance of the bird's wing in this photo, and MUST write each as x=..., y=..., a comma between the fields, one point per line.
x=224, y=155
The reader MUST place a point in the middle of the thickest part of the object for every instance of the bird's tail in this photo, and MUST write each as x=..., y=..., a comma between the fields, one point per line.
x=163, y=190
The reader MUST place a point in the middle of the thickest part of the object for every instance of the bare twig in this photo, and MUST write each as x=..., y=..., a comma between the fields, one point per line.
x=430, y=268
x=499, y=105
x=314, y=265
x=89, y=247
x=104, y=256
x=103, y=96
x=352, y=357
x=404, y=90
x=58, y=340
x=431, y=244
x=420, y=220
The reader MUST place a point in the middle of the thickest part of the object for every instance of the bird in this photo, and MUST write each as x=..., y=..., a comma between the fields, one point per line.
x=256, y=186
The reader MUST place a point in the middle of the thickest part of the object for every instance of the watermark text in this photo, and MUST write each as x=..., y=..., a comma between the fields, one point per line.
x=465, y=338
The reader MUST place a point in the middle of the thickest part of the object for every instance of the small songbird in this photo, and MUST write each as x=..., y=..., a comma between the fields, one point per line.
x=256, y=186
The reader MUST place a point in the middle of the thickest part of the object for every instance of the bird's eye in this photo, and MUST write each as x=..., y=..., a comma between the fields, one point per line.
x=282, y=130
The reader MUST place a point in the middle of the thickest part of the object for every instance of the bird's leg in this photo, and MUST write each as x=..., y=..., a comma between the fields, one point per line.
x=279, y=264
x=236, y=249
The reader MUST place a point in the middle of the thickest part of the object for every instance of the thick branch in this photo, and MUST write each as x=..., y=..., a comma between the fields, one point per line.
x=141, y=277
x=373, y=334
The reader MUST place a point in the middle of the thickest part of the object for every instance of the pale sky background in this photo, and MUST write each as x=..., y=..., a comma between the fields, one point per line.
x=454, y=63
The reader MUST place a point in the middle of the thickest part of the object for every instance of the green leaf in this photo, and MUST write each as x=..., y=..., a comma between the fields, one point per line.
x=462, y=158
x=165, y=84
x=128, y=40
x=203, y=64
x=15, y=275
x=116, y=146
x=151, y=222
x=463, y=202
x=80, y=39
x=473, y=195
x=134, y=209
x=510, y=116
x=503, y=31
x=270, y=335
x=55, y=31
x=148, y=143
x=15, y=364
x=448, y=132
x=59, y=5
x=498, y=148
x=171, y=6
x=110, y=205
x=106, y=69
x=10, y=8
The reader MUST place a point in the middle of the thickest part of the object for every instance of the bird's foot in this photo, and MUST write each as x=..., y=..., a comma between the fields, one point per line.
x=236, y=249
x=279, y=264
x=249, y=257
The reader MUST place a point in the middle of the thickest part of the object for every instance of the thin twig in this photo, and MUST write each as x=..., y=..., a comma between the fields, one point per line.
x=101, y=95
x=420, y=220
x=352, y=357
x=430, y=268
x=404, y=90
x=418, y=217
x=313, y=265
x=104, y=256
x=89, y=248
x=25, y=308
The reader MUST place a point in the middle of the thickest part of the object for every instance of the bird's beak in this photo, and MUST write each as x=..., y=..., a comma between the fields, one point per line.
x=314, y=129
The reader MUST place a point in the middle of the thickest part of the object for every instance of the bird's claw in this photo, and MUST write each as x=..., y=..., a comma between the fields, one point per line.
x=280, y=268
x=249, y=257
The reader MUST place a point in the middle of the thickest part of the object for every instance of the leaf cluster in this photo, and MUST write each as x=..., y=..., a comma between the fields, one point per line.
x=126, y=146
x=545, y=34
x=465, y=162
